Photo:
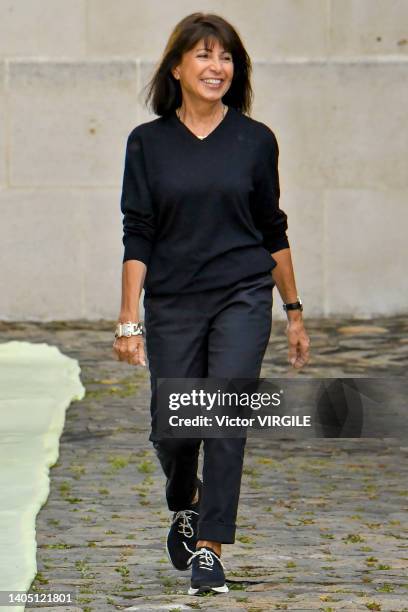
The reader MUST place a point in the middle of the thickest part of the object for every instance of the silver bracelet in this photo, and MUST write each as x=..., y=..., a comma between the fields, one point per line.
x=129, y=328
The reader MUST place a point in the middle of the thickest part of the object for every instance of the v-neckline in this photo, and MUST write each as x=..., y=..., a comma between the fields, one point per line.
x=192, y=135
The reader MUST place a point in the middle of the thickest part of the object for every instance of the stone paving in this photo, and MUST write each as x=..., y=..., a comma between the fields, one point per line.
x=322, y=524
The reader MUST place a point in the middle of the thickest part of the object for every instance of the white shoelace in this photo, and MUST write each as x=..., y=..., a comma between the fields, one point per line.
x=185, y=526
x=206, y=559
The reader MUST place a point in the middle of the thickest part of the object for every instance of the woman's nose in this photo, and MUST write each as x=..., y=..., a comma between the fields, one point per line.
x=215, y=64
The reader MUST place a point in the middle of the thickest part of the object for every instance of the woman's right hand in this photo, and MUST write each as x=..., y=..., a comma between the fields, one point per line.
x=130, y=349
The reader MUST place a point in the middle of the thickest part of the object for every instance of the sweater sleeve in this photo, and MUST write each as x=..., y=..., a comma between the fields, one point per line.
x=268, y=217
x=136, y=204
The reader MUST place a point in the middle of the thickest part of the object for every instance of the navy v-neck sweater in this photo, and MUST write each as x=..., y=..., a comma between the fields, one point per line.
x=201, y=213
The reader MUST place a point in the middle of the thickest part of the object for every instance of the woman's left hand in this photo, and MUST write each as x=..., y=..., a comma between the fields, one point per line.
x=299, y=343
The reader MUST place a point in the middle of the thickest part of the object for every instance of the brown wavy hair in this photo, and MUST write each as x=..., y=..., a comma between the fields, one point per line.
x=164, y=91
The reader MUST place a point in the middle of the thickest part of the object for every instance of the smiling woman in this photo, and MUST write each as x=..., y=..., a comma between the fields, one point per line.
x=203, y=233
x=206, y=65
x=203, y=63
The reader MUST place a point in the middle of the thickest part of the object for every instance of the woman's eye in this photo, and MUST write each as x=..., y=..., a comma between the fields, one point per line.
x=225, y=58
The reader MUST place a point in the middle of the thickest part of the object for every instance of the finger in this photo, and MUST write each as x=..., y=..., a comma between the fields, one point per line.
x=137, y=362
x=136, y=357
x=294, y=359
x=301, y=361
x=292, y=354
x=122, y=353
x=132, y=355
x=303, y=352
x=301, y=364
x=293, y=350
x=142, y=354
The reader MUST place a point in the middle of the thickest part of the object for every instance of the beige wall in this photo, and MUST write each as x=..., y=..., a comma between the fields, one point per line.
x=331, y=80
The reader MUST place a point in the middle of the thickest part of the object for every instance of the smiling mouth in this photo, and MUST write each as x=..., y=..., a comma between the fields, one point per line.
x=214, y=82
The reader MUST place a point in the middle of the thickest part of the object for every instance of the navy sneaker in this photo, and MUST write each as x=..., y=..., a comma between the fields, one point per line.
x=207, y=572
x=183, y=529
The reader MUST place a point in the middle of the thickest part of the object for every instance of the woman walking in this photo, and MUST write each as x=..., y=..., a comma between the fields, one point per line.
x=205, y=237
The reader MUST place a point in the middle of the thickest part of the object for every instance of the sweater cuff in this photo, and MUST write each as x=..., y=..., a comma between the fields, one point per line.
x=282, y=243
x=137, y=247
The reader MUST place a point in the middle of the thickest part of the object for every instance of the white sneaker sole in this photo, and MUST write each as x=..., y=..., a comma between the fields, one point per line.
x=204, y=589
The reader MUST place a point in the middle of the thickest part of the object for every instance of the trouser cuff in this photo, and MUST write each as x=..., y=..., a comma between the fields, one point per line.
x=217, y=532
x=174, y=503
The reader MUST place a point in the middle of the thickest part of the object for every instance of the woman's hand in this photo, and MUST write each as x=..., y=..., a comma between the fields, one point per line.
x=299, y=343
x=130, y=349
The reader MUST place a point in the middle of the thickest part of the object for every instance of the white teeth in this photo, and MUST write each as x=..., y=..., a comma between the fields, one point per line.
x=214, y=81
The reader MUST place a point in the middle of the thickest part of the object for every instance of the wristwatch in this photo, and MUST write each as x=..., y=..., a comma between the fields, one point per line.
x=129, y=328
x=294, y=305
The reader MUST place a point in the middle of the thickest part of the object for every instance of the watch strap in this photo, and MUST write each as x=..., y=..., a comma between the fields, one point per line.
x=294, y=305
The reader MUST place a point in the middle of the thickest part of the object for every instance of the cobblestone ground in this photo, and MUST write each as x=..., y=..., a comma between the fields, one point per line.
x=322, y=524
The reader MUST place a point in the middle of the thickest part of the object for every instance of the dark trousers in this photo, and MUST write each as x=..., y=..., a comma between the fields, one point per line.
x=221, y=333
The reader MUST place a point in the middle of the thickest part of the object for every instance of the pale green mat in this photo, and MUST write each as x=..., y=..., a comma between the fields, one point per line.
x=37, y=384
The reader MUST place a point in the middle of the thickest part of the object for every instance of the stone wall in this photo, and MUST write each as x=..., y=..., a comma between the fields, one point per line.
x=330, y=78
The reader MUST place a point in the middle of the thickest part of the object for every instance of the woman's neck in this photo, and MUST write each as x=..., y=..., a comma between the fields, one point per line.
x=201, y=116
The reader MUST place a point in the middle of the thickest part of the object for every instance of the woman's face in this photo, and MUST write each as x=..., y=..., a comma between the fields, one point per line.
x=200, y=64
